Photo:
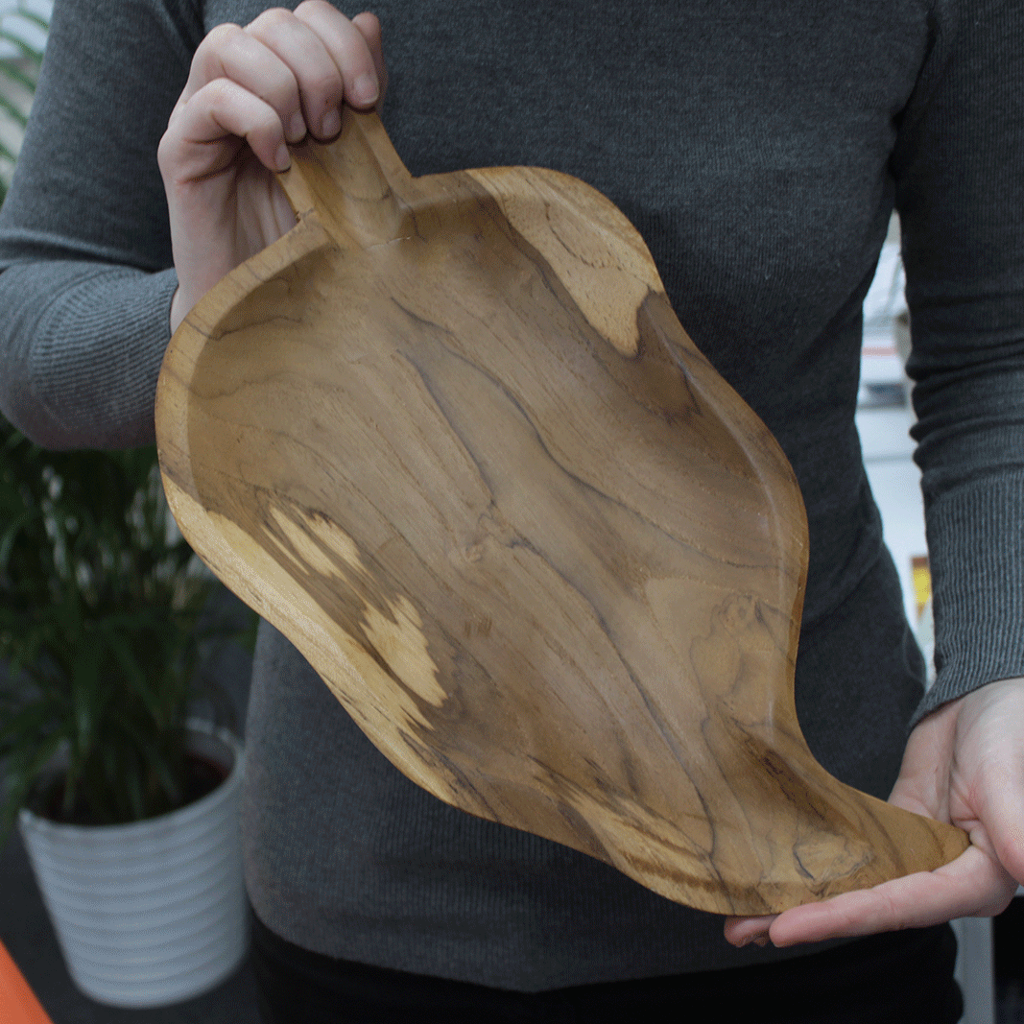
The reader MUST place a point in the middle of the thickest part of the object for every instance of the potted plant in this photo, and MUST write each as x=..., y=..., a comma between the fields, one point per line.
x=127, y=806
x=105, y=615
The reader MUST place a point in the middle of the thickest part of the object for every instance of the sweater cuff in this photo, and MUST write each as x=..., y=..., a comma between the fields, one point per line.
x=977, y=536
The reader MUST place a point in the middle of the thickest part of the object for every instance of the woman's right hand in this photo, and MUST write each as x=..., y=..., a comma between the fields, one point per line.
x=250, y=92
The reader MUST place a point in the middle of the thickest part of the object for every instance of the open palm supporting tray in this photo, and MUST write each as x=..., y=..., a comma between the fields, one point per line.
x=449, y=437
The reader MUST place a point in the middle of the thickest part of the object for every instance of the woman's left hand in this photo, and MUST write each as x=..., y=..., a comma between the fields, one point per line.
x=964, y=763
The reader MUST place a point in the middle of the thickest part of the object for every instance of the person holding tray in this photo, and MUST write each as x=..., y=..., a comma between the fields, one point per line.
x=760, y=149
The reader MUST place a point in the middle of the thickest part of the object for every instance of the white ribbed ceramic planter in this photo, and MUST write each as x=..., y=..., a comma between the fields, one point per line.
x=154, y=912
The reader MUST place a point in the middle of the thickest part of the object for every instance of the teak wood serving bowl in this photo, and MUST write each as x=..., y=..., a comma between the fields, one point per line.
x=449, y=437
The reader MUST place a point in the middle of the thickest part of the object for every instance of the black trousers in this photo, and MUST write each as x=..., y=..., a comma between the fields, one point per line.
x=903, y=978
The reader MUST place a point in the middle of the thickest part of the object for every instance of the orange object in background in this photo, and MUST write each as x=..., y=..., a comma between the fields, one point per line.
x=18, y=1004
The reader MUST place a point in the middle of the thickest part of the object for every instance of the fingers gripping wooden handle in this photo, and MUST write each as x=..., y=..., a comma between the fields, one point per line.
x=358, y=187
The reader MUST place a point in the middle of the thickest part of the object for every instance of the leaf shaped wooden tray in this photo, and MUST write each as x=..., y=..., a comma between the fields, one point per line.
x=449, y=437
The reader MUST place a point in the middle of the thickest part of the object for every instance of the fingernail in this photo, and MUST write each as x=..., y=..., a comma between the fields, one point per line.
x=283, y=160
x=364, y=90
x=297, y=127
x=331, y=124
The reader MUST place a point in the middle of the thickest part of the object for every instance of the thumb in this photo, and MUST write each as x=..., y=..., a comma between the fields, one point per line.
x=924, y=780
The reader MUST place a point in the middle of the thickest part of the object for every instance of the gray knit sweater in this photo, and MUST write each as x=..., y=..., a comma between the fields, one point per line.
x=759, y=146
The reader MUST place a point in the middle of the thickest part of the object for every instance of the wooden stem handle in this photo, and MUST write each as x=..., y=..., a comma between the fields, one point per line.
x=358, y=188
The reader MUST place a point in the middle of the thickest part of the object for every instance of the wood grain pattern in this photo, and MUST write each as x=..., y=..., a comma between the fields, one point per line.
x=450, y=438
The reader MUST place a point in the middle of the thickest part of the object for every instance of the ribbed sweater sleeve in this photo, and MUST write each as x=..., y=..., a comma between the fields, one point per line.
x=85, y=250
x=958, y=166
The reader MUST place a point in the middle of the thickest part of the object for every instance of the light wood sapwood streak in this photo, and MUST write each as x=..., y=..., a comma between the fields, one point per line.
x=449, y=437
